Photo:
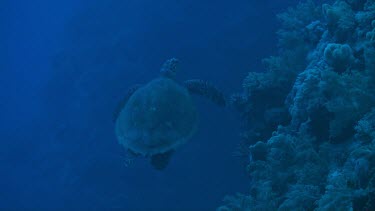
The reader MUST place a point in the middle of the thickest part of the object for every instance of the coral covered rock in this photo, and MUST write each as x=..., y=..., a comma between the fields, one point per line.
x=322, y=156
x=366, y=128
x=340, y=19
x=339, y=56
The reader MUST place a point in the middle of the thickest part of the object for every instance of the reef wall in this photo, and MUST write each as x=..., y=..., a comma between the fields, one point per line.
x=310, y=118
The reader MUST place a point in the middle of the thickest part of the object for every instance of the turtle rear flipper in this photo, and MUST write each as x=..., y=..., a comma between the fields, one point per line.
x=206, y=89
x=129, y=157
x=125, y=99
x=160, y=161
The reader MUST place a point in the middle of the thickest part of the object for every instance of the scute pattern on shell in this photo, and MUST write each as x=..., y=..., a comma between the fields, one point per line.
x=157, y=118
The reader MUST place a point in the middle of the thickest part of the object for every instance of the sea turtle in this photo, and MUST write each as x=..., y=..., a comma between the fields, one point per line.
x=156, y=118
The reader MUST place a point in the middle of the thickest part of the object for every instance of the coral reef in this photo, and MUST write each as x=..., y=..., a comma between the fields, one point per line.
x=310, y=117
x=338, y=56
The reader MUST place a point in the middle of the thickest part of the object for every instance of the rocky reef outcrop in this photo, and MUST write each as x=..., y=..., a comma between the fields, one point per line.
x=309, y=137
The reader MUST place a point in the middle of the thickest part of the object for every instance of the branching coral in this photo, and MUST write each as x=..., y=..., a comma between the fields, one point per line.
x=338, y=194
x=262, y=102
x=323, y=157
x=340, y=19
x=356, y=4
x=339, y=56
x=297, y=23
x=366, y=128
x=300, y=197
x=350, y=97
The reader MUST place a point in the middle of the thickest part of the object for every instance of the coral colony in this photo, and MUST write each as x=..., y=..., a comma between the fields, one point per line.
x=310, y=118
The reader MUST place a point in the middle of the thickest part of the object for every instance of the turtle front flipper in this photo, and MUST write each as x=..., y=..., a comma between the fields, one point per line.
x=206, y=89
x=160, y=161
x=122, y=103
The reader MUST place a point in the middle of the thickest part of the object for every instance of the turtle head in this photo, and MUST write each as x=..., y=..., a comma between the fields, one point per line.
x=169, y=68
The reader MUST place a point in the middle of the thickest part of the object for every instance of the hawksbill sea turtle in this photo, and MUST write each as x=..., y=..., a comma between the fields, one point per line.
x=155, y=119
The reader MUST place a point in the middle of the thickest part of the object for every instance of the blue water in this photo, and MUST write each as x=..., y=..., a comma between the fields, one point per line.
x=65, y=65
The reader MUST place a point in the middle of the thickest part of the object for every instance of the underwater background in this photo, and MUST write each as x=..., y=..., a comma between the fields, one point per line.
x=298, y=131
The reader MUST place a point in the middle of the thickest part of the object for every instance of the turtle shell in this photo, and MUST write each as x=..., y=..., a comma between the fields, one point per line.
x=157, y=118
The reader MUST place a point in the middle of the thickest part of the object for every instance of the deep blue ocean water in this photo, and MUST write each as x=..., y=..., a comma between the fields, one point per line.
x=65, y=65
